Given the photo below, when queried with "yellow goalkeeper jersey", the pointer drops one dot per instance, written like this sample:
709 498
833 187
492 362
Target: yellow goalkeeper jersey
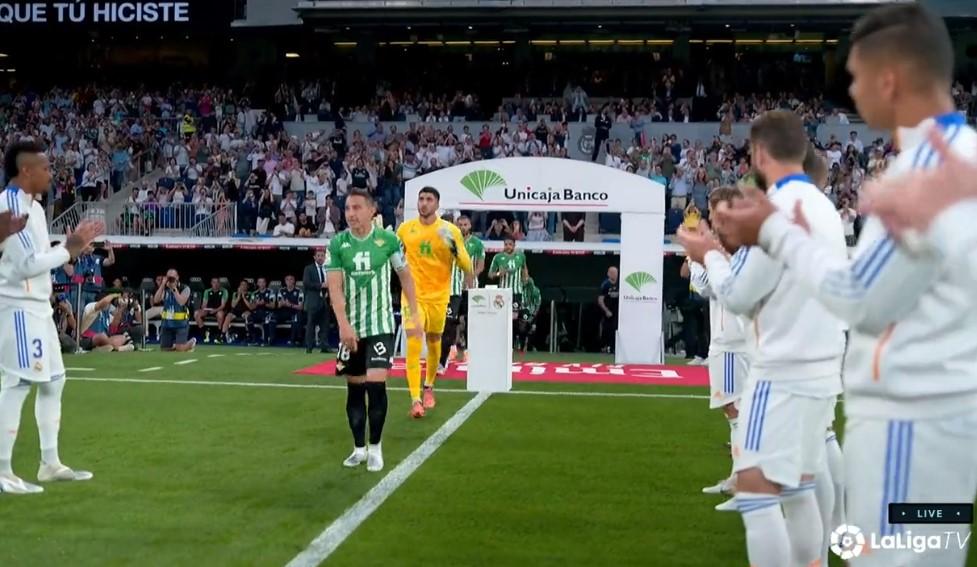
431 251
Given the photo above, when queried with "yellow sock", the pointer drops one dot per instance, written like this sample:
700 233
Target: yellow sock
433 360
414 348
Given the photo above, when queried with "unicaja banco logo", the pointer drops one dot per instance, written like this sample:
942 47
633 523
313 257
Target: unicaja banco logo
478 299
480 180
847 541
638 280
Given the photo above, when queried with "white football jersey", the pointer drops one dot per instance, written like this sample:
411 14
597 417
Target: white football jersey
796 339
913 317
28 258
725 327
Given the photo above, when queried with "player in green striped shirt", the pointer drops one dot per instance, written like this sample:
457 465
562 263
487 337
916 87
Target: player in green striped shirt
458 304
531 300
509 266
360 261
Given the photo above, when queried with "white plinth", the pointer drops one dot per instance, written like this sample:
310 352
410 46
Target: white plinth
489 340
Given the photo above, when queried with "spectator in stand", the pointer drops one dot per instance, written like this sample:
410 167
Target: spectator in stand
285 226
573 227
536 226
306 227
266 211
516 232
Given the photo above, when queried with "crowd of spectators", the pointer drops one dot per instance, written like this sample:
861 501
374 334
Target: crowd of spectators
212 149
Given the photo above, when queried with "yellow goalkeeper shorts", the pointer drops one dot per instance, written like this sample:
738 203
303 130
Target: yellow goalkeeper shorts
432 316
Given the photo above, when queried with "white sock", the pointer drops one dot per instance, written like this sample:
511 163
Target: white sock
836 464
803 523
733 424
47 411
374 448
11 403
824 491
767 543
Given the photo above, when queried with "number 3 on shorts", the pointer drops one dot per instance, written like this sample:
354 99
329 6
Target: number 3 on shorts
38 348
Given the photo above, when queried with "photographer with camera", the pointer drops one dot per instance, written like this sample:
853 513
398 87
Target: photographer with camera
174 297
101 324
87 270
64 319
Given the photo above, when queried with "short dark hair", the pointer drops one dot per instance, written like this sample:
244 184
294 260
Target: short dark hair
432 191
816 167
362 193
782 134
509 238
724 194
907 32
14 152
457 220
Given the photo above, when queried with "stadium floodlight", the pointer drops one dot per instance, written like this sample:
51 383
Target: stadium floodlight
292 55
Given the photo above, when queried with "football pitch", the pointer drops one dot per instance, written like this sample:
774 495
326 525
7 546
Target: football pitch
232 459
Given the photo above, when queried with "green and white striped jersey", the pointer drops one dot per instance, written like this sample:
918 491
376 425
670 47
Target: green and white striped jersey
366 264
531 297
511 266
476 250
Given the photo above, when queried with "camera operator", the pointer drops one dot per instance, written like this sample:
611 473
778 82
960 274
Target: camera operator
174 297
87 270
101 325
64 319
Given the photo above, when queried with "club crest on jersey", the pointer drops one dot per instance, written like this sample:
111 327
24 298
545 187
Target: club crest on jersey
378 241
345 245
38 366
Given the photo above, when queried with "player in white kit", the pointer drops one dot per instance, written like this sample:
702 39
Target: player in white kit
911 368
795 372
728 353
30 351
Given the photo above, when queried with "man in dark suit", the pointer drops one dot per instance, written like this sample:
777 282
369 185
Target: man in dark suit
316 303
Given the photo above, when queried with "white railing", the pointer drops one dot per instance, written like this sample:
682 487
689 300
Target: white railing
147 219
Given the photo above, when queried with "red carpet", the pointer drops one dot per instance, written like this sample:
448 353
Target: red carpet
579 373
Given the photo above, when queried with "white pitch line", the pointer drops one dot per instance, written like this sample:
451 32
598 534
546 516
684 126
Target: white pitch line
187 361
215 355
80 369
245 354
336 533
393 388
152 369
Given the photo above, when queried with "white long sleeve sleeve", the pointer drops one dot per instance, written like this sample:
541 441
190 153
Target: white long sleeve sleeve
954 234
743 281
876 287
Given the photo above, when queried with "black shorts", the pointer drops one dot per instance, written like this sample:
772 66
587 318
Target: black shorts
371 352
526 315
454 307
516 305
239 311
463 308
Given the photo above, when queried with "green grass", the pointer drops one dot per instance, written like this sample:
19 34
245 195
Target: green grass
217 475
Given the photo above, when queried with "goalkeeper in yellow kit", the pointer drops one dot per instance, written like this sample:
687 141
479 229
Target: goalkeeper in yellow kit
432 247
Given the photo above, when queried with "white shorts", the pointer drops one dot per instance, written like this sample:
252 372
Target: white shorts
927 461
727 377
29 347
781 433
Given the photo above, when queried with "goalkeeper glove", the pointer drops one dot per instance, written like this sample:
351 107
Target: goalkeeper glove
448 239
